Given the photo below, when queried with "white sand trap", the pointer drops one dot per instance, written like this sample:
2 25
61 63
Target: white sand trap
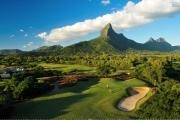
129 103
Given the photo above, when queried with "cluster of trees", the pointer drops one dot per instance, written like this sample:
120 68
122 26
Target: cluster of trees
152 71
21 86
165 104
106 70
120 61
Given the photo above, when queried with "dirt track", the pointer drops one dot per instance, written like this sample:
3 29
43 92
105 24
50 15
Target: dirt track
129 103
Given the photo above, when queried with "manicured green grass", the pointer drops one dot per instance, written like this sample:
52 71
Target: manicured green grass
88 99
69 68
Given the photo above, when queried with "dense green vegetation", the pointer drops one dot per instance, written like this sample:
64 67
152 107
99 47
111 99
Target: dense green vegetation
163 105
166 101
106 70
21 86
161 71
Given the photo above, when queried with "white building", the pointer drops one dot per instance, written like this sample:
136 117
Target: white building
5 75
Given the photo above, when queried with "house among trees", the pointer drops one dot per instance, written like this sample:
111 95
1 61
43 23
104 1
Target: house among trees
8 72
5 75
20 69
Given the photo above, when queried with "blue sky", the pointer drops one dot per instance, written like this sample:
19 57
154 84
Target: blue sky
22 20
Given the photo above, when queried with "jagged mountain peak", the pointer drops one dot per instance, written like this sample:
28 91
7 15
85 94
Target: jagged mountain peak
107 31
161 40
159 44
151 40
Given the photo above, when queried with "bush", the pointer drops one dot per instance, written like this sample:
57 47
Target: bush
164 105
106 70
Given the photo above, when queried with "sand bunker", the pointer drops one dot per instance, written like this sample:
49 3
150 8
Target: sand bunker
129 103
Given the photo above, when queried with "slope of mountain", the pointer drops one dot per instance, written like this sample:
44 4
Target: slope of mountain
94 46
46 49
10 51
177 48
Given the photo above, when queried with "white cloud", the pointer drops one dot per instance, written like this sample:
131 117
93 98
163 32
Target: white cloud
105 2
131 15
42 35
29 44
26 35
12 36
21 30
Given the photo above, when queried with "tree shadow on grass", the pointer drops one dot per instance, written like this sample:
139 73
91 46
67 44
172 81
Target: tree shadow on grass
46 109
79 87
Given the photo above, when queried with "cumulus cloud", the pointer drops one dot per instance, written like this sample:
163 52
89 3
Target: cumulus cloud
29 44
105 2
133 14
21 30
42 35
12 36
26 35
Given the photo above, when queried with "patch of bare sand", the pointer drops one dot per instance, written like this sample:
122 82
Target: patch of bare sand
129 103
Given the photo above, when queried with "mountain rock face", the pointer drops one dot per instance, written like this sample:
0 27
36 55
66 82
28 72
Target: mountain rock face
118 41
107 32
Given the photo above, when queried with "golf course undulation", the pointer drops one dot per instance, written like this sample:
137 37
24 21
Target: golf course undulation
90 99
129 103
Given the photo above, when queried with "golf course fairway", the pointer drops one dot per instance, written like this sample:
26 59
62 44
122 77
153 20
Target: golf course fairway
90 99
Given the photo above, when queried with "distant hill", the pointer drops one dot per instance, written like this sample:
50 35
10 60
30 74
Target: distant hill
46 49
158 45
176 48
10 51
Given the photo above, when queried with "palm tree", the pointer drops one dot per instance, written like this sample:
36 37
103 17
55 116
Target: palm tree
9 85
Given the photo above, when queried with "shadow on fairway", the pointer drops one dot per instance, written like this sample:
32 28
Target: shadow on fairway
80 86
46 109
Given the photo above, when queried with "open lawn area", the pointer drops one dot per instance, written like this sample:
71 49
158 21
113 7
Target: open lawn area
69 68
96 99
